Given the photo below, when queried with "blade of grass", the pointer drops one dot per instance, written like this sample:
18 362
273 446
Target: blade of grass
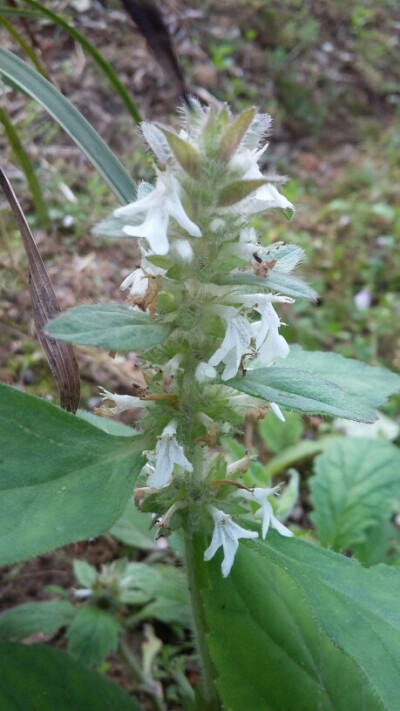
69 118
105 66
27 168
60 356
26 48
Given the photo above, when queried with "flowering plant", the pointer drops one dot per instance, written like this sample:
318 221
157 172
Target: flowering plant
204 314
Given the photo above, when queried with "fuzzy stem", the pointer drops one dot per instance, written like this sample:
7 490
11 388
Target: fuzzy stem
198 581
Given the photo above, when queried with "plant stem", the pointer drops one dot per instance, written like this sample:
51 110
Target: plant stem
148 685
197 581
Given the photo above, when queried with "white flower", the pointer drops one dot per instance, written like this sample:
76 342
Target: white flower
137 283
266 512
226 534
269 343
235 344
157 207
168 453
205 373
122 402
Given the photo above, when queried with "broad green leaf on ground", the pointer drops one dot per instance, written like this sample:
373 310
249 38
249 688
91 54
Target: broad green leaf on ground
133 528
92 635
295 627
61 479
68 117
85 573
321 383
278 435
171 603
46 617
38 678
355 485
112 326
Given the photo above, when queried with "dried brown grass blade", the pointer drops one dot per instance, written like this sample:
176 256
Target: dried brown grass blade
150 23
60 356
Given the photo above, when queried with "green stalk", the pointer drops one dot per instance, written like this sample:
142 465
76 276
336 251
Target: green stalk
197 582
27 168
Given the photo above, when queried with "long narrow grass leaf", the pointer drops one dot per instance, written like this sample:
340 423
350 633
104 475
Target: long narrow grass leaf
69 118
21 41
27 168
105 66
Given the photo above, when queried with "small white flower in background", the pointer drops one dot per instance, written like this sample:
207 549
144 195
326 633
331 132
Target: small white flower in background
226 534
362 299
235 344
266 512
277 411
168 454
158 206
121 402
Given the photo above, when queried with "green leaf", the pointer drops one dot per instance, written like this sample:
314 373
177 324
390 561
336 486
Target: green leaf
238 190
133 528
369 384
276 281
69 118
46 617
61 479
92 635
321 383
302 391
278 435
355 484
38 678
233 135
184 153
171 603
295 627
112 326
85 573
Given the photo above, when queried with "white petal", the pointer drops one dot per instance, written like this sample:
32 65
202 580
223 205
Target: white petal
277 411
122 402
226 534
154 229
273 347
205 372
136 282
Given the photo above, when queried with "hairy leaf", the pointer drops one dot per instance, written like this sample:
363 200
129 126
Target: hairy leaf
295 627
112 326
61 479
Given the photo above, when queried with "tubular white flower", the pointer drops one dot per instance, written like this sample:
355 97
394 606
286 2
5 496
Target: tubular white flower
137 283
158 206
168 454
266 512
235 344
122 402
226 534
